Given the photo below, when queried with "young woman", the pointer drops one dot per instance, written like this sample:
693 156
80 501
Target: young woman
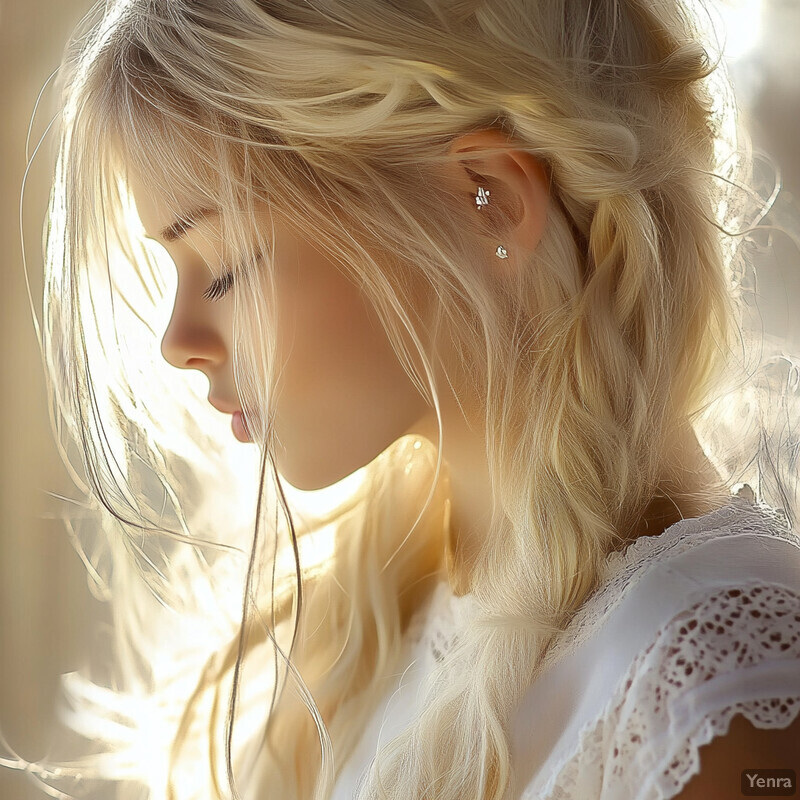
476 262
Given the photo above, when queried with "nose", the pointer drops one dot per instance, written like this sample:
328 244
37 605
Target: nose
192 343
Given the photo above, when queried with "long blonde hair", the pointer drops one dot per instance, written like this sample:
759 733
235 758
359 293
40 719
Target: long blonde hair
585 364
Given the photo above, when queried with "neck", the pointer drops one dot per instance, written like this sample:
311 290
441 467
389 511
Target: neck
697 490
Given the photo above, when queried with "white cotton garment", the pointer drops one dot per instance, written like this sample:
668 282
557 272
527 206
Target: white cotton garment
686 630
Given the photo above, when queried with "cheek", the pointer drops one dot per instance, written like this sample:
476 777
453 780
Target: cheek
342 393
342 396
330 341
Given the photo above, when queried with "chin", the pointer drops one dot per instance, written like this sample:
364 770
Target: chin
311 469
309 479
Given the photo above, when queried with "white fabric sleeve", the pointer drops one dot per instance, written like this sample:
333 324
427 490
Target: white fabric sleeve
701 633
736 651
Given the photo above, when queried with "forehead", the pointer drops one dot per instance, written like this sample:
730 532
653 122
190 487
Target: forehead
152 206
167 215
159 207
165 178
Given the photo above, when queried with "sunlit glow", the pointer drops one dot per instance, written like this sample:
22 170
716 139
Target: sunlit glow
105 28
742 26
322 501
167 397
315 550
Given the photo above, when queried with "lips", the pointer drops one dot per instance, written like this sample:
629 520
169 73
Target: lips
239 427
238 421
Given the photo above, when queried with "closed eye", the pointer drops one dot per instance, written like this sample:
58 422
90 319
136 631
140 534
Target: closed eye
219 287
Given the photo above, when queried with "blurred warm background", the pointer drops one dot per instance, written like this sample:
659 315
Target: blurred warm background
44 601
45 608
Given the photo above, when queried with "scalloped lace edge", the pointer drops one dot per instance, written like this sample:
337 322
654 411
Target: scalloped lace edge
718 725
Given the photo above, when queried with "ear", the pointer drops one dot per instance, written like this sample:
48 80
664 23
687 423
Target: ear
518 186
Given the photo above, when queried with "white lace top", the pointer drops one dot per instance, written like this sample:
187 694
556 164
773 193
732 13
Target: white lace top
688 628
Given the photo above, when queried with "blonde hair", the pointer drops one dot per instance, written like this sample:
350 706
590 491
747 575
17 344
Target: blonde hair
585 364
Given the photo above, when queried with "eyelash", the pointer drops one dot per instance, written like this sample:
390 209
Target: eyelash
222 285
219 287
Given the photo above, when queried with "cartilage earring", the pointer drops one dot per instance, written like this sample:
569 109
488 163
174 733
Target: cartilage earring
482 199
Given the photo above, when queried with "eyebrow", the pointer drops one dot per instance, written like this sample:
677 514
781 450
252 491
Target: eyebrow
185 223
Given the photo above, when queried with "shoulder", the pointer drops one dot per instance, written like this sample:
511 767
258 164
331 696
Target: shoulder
690 655
659 580
715 686
719 679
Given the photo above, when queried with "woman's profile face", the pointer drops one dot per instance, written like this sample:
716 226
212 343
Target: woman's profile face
342 395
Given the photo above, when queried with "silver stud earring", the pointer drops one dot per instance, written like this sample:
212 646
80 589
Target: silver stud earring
482 199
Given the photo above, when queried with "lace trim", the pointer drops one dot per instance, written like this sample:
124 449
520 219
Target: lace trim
728 630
